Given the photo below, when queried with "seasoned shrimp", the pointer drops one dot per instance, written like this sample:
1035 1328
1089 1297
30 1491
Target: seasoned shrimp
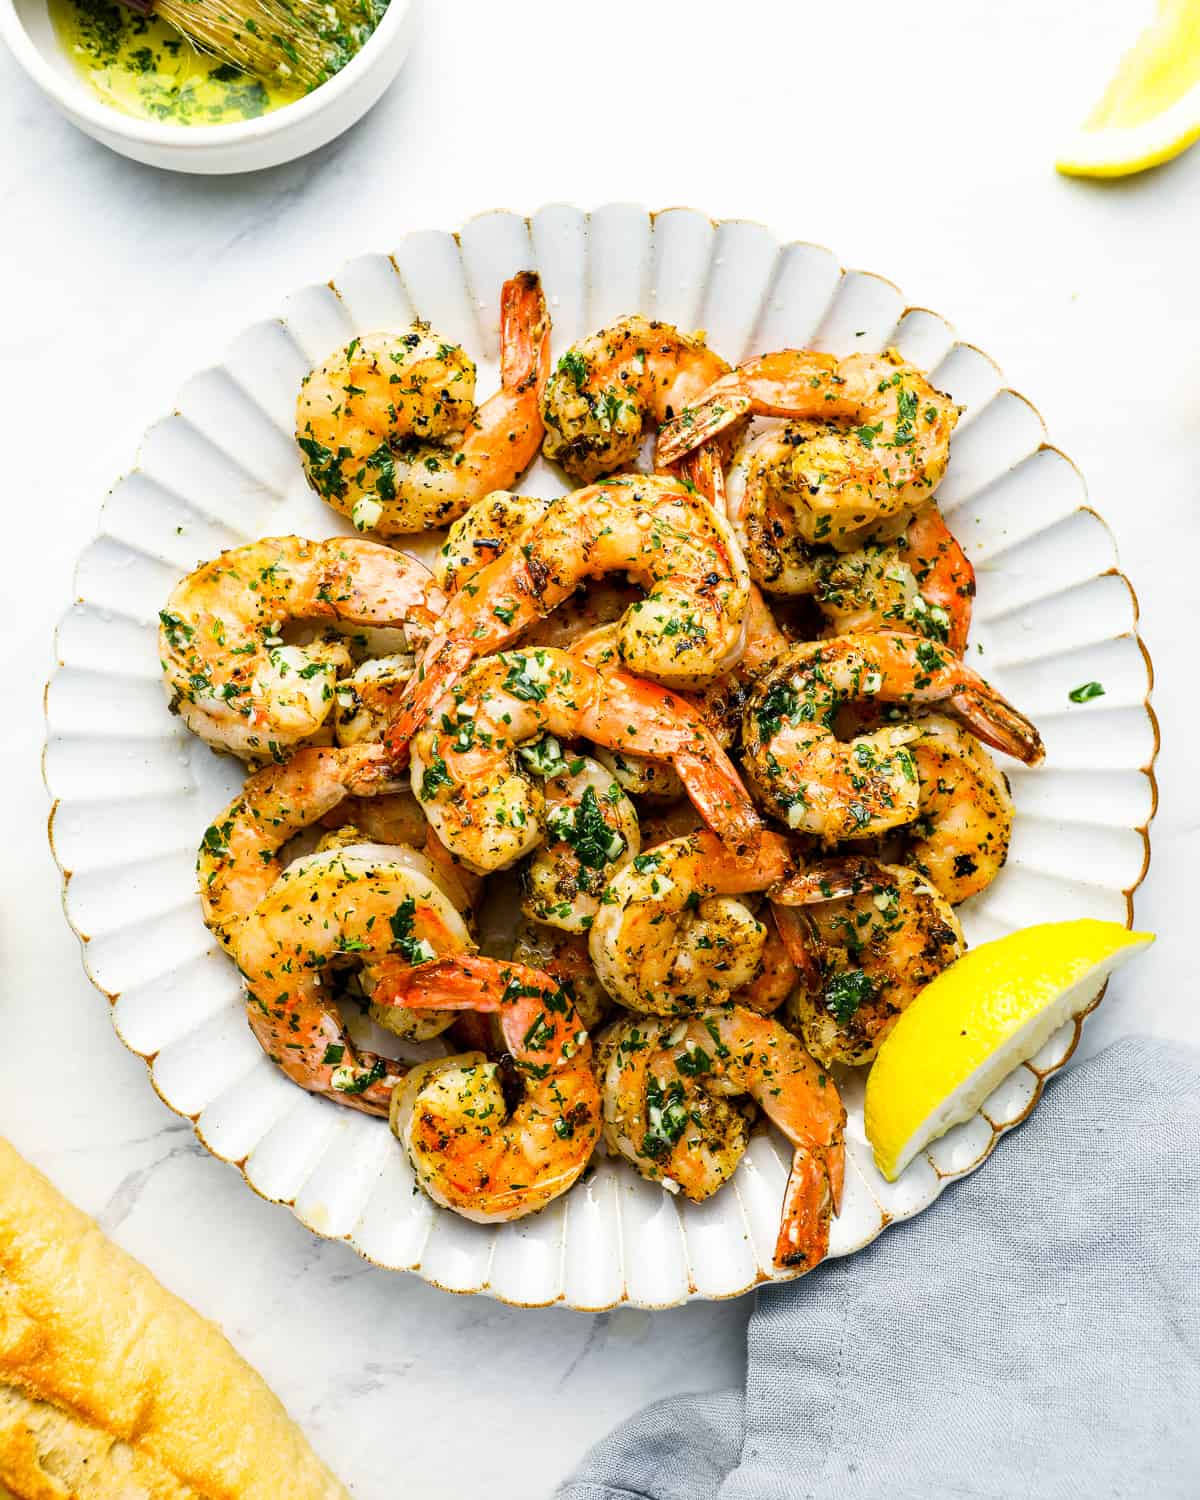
873 936
778 974
687 630
468 1152
613 386
564 956
231 677
653 781
723 702
239 860
373 904
591 832
960 839
482 533
666 1088
396 818
366 700
486 810
389 430
873 441
669 938
922 583
869 784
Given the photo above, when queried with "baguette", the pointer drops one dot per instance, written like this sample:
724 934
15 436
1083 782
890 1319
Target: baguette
113 1389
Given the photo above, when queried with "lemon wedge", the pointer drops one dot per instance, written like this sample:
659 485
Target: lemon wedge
1151 109
978 1020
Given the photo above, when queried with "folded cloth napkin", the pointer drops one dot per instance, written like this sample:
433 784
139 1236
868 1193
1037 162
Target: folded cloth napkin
1036 1333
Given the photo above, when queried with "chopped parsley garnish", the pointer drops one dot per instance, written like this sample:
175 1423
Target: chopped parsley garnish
519 683
779 703
594 842
575 366
346 1083
666 1116
1085 692
845 992
437 775
412 950
693 1062
177 630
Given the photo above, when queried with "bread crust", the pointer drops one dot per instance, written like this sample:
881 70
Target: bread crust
113 1389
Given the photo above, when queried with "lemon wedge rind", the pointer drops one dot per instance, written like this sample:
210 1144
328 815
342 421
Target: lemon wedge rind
1150 110
980 1019
1119 151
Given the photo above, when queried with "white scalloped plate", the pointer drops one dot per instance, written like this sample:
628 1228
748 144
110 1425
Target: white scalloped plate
133 792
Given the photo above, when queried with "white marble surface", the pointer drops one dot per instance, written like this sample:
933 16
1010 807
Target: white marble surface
916 141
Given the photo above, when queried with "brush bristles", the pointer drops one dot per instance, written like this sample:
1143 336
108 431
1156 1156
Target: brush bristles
298 43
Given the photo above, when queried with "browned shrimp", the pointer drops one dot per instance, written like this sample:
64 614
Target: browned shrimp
389 430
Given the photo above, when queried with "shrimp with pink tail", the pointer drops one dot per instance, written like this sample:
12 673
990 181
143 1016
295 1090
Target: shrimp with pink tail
669 937
667 1088
239 859
688 629
921 583
615 385
469 1152
855 788
490 811
367 906
871 441
235 680
389 430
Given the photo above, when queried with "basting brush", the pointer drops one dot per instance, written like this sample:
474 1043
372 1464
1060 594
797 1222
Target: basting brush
300 43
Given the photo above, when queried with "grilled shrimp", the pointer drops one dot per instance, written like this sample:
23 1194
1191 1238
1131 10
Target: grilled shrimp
239 859
389 430
688 628
852 789
396 818
666 1088
466 771
232 678
872 442
482 534
922 583
371 904
613 386
469 1153
591 832
871 936
668 937
366 700
960 839
564 956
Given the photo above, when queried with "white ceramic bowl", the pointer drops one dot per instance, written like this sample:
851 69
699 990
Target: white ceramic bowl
247 146
133 791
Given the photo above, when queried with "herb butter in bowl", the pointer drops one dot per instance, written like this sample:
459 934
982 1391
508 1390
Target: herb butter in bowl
134 82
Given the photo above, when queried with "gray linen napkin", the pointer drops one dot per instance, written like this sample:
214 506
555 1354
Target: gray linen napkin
1035 1333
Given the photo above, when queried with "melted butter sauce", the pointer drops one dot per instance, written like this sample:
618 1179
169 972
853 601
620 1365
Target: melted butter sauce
144 67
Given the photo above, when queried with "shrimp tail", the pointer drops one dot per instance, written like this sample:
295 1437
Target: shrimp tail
812 1197
524 333
716 791
794 935
700 424
464 982
998 723
445 663
827 880
701 468
786 383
